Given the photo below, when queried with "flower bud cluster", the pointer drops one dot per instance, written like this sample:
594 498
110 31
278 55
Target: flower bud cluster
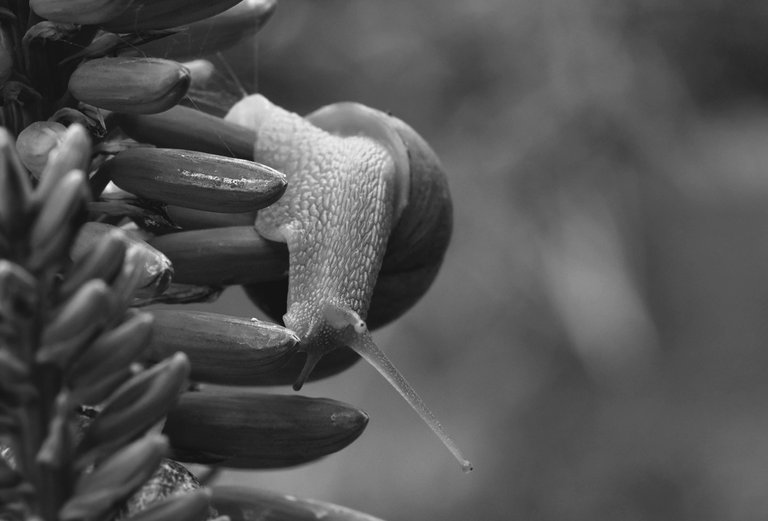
115 195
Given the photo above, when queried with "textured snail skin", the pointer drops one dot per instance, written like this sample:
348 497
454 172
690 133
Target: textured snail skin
344 195
335 218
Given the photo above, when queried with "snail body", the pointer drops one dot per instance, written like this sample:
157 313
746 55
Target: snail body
366 203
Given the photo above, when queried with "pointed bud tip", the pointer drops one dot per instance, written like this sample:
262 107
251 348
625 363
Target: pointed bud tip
350 419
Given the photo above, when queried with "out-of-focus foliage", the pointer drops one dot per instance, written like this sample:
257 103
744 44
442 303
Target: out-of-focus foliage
597 339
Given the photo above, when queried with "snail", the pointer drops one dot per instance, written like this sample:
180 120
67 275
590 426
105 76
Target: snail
367 206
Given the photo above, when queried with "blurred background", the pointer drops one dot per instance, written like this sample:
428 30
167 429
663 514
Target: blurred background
597 339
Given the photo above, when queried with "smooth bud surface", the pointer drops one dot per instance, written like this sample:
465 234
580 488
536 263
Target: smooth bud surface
196 179
191 219
223 256
128 84
222 349
335 362
245 429
189 129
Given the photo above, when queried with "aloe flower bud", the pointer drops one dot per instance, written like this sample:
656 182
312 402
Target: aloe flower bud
126 84
223 256
196 179
222 349
244 429
187 128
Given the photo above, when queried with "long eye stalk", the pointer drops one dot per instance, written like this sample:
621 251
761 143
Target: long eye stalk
364 346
